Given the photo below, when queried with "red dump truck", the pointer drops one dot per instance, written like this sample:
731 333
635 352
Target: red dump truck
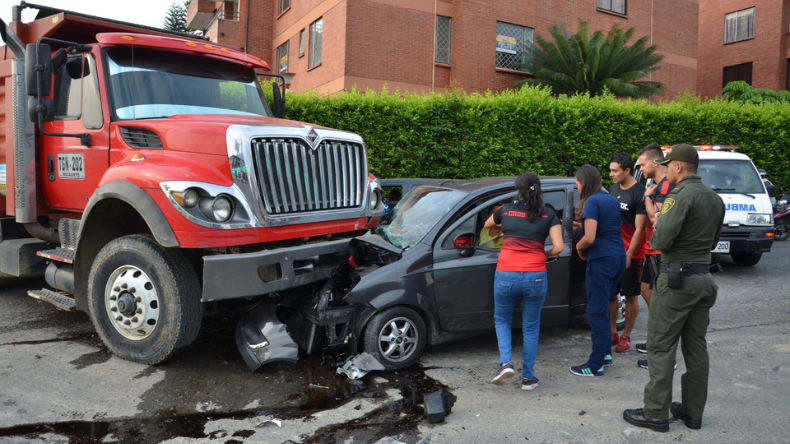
145 174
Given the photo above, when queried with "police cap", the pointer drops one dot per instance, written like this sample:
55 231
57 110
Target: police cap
682 152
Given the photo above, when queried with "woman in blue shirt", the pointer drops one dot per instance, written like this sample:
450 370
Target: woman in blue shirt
598 212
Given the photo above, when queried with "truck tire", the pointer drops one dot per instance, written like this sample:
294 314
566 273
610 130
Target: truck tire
395 337
746 259
144 299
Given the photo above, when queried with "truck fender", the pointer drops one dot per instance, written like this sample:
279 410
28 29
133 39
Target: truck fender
141 202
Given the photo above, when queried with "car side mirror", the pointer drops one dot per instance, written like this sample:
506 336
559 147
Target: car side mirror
465 244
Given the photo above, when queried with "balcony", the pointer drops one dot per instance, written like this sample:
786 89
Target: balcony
202 15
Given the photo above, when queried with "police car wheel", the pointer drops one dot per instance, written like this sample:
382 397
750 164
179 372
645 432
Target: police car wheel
746 259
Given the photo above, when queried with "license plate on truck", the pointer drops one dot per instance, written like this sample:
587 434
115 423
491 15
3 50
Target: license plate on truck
71 166
722 247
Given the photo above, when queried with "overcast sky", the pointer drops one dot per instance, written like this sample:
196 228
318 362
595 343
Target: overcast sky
142 12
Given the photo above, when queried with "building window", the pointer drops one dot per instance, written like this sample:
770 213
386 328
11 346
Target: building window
284 5
316 32
282 58
442 40
738 72
739 25
617 6
511 44
301 42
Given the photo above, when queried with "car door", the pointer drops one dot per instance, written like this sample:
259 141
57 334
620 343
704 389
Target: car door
464 286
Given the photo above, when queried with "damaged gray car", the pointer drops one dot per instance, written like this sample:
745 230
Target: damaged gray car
424 276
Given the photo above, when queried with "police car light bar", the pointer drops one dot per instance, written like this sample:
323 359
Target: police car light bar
709 147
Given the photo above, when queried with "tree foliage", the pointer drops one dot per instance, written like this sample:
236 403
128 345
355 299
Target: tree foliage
176 17
740 91
592 63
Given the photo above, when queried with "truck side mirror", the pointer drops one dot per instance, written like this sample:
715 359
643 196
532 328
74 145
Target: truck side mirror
38 62
279 101
43 104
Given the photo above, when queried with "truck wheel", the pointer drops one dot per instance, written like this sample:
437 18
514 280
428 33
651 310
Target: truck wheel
144 299
395 337
746 259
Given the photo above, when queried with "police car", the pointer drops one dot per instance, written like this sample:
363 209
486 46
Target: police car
748 229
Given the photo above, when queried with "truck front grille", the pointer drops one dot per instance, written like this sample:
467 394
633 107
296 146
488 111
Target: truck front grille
295 178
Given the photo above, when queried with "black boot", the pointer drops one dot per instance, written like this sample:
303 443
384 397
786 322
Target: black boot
640 419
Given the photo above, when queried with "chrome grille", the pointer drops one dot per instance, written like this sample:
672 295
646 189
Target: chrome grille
293 178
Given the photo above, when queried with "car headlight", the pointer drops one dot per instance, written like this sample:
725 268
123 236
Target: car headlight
758 218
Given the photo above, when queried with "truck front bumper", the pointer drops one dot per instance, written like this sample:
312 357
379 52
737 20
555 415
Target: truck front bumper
748 239
230 276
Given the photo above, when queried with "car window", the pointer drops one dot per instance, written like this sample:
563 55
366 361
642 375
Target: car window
492 238
730 176
417 213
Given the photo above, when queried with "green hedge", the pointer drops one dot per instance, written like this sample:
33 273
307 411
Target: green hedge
455 135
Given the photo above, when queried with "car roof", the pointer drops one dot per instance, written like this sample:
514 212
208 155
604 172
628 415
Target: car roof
493 183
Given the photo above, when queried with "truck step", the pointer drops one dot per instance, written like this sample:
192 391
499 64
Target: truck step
61 300
59 254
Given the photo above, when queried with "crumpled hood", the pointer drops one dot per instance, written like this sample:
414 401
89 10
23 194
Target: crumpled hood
203 134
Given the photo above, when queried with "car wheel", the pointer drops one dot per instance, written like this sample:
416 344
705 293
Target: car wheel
620 311
782 229
144 299
396 337
746 259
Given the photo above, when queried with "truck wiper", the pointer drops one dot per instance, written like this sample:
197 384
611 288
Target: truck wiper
719 190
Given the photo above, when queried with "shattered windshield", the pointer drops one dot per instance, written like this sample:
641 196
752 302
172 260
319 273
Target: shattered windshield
416 214
149 84
730 176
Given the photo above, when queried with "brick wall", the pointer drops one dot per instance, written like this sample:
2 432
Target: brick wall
767 50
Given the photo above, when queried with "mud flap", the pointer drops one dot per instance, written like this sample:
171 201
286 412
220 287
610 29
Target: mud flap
262 338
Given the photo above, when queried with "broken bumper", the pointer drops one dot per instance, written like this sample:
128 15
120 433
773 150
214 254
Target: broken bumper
262 338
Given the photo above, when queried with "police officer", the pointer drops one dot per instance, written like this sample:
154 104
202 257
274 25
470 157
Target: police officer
688 228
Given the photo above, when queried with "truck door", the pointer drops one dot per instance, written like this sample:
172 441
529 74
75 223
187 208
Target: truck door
70 171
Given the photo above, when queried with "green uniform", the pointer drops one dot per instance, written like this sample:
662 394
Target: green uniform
688 228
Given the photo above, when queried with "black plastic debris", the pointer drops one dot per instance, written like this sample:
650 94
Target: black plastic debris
438 405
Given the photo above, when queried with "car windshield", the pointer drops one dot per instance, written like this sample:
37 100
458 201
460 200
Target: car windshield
414 216
148 84
731 176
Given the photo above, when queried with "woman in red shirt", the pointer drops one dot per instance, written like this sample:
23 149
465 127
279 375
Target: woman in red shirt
521 273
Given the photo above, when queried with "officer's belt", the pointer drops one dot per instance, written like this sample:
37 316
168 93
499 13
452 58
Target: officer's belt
689 268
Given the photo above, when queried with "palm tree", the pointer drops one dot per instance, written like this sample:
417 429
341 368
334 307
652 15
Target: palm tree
591 63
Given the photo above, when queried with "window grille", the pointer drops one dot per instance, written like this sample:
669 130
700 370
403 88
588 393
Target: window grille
442 39
511 44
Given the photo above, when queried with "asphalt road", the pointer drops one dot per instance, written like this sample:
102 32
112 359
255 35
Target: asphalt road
58 384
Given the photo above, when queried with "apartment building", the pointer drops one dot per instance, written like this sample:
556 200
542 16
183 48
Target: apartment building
743 40
428 45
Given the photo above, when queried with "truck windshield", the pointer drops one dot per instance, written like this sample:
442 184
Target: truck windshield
731 176
146 84
416 214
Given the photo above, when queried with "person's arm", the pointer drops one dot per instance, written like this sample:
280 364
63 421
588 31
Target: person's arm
669 226
590 226
490 223
650 206
636 239
557 245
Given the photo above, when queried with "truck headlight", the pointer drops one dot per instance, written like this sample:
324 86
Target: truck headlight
758 218
190 198
374 199
221 209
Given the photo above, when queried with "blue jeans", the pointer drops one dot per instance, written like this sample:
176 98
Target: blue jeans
530 288
603 281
